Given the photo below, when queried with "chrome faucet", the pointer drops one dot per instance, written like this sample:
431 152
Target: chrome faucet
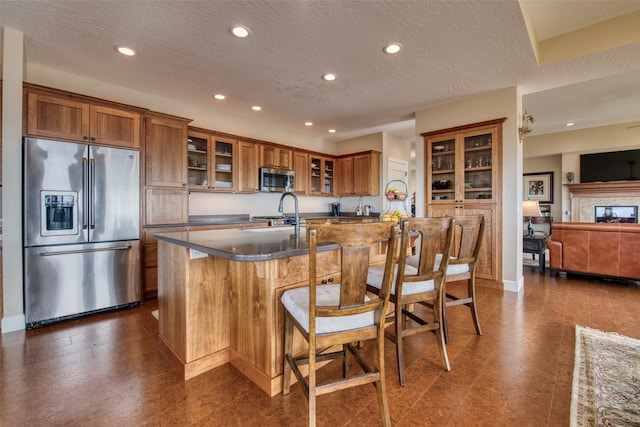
295 198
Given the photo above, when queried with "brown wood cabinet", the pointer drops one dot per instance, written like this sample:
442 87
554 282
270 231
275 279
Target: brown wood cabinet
166 196
166 206
68 117
272 156
165 156
301 169
212 162
487 265
249 156
359 174
323 176
464 177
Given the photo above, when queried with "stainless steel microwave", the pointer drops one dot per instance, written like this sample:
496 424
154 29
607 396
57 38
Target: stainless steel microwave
276 179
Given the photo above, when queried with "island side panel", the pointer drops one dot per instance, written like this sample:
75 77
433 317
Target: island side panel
193 308
208 298
173 263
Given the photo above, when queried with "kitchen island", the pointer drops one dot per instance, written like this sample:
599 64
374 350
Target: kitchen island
219 293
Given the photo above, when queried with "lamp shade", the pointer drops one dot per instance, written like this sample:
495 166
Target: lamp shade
531 208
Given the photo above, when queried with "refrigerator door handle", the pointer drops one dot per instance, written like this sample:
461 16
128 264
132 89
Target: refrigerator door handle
81 251
85 180
92 177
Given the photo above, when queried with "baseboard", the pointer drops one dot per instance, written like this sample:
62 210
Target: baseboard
513 286
13 323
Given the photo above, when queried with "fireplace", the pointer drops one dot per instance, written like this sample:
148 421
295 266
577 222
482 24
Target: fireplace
616 214
585 197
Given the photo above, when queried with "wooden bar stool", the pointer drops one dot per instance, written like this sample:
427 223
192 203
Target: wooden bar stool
468 233
422 284
340 314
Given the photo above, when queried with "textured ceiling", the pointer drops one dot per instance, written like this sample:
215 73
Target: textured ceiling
452 49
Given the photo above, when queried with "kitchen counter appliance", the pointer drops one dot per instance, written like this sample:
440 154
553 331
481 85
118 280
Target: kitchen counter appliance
277 180
81 229
277 221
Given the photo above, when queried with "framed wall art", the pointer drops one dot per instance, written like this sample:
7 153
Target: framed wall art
538 186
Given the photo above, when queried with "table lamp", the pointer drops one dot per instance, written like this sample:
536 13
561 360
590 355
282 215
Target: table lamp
530 208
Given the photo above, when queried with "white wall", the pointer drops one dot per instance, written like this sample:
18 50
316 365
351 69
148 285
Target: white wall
12 72
488 106
552 163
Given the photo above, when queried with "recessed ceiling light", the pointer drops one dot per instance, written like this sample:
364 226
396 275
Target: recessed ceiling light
240 31
332 131
308 123
569 124
127 51
392 48
256 108
329 77
219 96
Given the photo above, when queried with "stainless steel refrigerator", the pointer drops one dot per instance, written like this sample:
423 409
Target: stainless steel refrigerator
81 229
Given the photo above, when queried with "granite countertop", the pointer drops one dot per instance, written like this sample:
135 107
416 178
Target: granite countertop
203 220
209 220
252 244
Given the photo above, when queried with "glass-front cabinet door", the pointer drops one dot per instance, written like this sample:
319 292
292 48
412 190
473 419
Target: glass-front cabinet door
443 168
211 162
225 164
478 166
198 161
461 166
322 181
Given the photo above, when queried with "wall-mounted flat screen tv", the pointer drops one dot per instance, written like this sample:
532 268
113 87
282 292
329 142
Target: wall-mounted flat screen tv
616 214
612 166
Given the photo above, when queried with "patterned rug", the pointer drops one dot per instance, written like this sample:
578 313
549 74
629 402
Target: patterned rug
606 380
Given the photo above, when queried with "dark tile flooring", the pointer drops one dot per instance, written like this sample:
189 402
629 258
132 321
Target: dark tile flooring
106 370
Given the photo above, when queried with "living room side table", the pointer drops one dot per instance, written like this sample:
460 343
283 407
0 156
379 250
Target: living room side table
536 244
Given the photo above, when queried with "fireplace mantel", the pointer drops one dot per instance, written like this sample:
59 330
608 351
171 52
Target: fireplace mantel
585 196
594 188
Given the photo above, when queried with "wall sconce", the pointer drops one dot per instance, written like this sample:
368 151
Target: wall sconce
524 129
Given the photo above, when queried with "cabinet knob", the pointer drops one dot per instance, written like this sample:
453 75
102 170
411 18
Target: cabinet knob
93 139
324 281
330 279
85 138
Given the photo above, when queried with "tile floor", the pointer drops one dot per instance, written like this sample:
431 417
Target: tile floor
105 370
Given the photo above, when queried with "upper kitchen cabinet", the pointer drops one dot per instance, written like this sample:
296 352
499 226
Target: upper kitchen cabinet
301 169
212 162
323 176
166 196
464 177
359 174
248 167
165 156
272 156
72 117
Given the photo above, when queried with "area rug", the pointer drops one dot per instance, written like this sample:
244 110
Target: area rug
606 383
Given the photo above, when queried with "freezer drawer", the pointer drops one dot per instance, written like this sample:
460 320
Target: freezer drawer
69 280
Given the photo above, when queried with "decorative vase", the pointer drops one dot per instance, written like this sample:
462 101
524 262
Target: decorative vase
571 176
